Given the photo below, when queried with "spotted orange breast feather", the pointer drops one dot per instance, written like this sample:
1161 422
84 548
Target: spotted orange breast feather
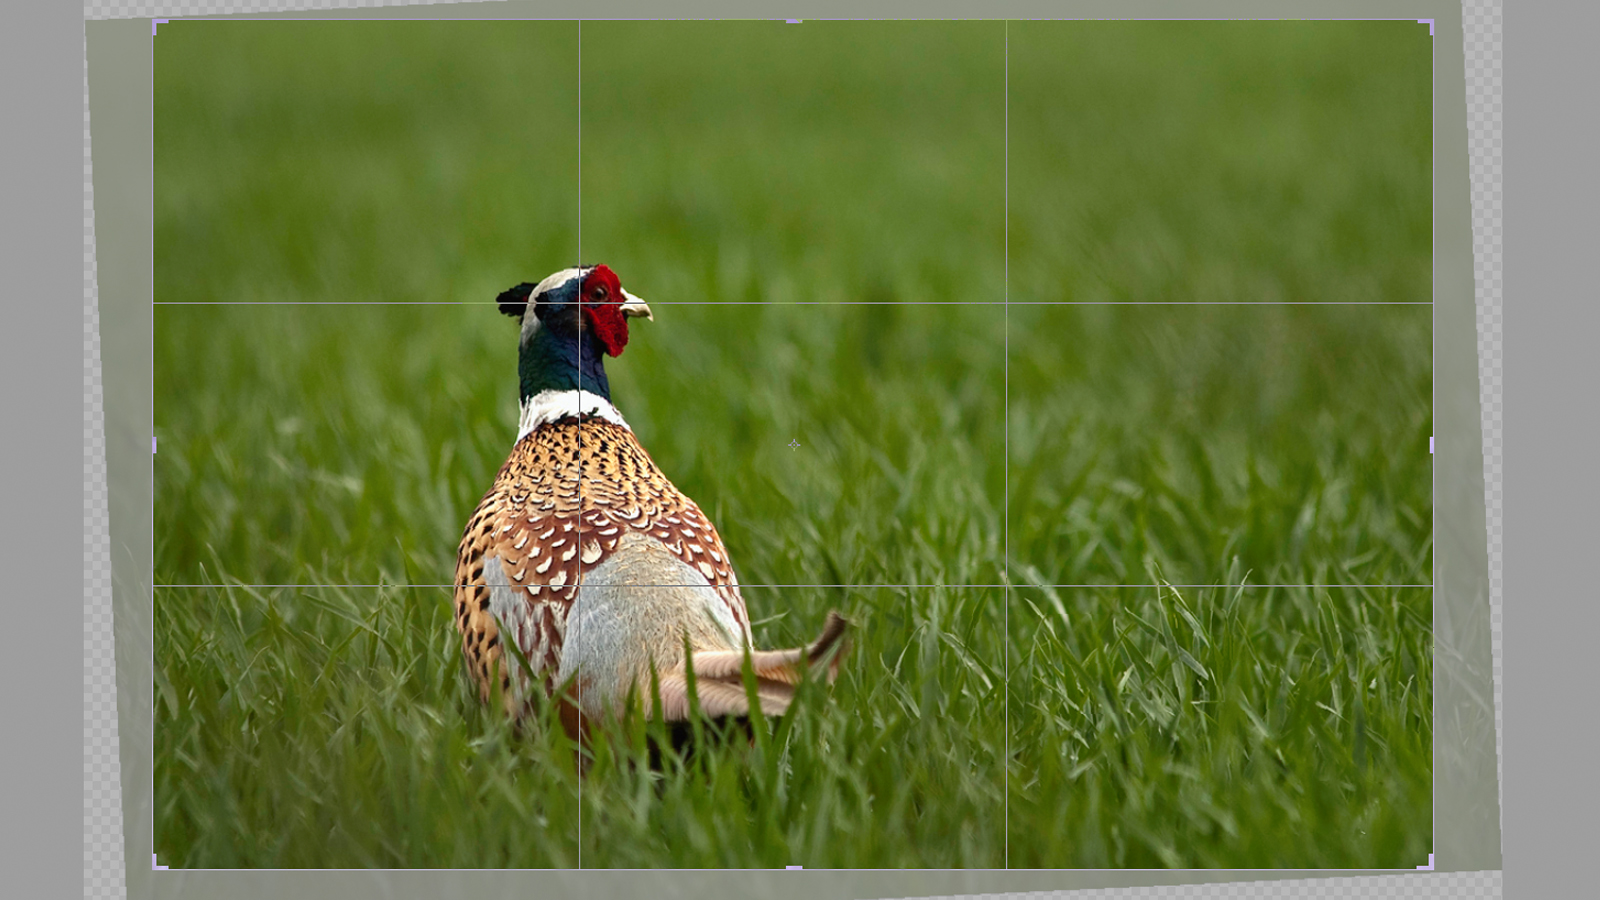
568 493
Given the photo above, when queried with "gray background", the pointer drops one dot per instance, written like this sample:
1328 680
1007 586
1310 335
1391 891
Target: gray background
103 853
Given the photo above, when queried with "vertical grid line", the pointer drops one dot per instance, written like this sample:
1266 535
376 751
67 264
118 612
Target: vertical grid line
580 437
153 345
1005 485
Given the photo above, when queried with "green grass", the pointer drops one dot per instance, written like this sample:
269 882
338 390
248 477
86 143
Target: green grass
743 178
1221 727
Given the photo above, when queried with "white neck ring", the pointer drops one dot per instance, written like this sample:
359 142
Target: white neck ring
548 406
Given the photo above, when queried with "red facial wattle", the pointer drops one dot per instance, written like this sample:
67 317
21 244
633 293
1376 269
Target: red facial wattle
601 301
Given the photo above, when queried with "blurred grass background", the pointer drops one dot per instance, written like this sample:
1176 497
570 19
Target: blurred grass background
370 187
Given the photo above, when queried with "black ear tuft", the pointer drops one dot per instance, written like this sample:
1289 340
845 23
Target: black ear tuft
515 301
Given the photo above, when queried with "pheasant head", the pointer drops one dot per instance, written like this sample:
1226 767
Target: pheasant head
570 322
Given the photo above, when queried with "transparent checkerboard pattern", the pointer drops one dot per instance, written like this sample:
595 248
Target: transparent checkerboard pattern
103 843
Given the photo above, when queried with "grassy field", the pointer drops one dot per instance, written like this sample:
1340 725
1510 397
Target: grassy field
1140 571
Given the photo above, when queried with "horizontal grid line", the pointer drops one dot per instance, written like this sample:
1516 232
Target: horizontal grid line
851 586
823 303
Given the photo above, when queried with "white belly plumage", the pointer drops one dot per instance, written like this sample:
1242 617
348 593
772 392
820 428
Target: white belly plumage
636 607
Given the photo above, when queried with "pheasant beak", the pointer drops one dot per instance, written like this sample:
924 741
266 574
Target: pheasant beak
633 306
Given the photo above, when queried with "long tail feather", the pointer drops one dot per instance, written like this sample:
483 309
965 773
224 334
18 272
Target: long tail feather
719 680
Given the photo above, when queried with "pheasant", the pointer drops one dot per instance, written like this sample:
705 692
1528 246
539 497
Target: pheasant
585 556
